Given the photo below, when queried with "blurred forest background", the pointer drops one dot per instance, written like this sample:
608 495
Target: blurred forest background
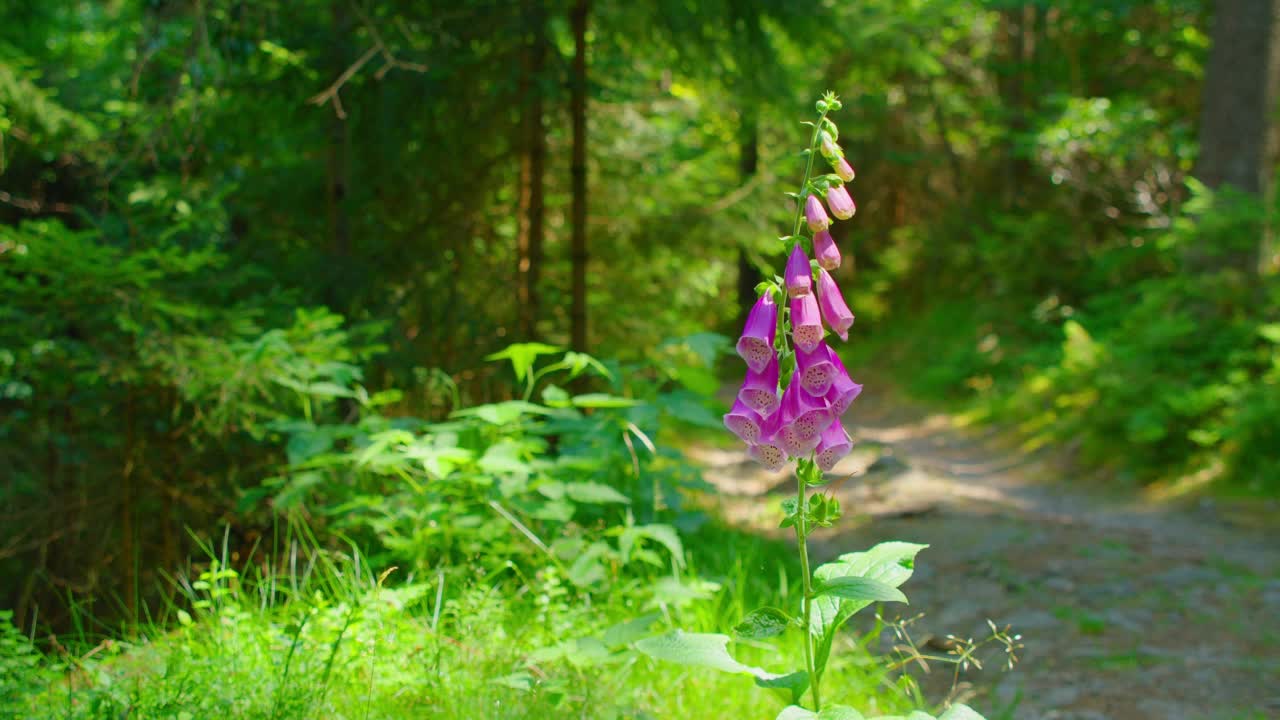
243 242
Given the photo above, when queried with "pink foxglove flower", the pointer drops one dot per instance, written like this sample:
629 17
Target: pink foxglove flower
840 203
769 451
844 170
834 310
825 251
798 275
756 344
843 389
744 422
815 215
805 414
833 445
815 369
760 390
770 455
806 322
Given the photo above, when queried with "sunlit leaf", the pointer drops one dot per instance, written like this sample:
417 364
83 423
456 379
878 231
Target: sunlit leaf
698 649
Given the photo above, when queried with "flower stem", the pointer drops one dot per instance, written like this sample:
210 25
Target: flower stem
808 169
802 534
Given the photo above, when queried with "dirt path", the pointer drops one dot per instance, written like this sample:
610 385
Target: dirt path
1128 609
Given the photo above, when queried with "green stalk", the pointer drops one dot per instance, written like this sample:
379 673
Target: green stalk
802 500
802 534
808 168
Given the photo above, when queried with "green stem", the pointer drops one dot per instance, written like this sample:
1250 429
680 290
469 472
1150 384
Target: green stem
802 533
808 168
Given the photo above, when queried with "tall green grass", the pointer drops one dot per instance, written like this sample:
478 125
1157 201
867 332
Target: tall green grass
307 632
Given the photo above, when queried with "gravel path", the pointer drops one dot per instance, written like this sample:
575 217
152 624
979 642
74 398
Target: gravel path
1129 608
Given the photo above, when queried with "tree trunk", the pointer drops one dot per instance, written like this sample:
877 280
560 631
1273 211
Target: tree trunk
578 111
748 161
1239 94
529 238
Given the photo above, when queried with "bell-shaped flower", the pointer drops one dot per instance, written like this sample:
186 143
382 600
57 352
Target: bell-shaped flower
815 369
756 344
803 413
840 203
834 310
760 390
843 169
843 389
833 444
770 455
744 422
798 275
825 250
806 322
815 215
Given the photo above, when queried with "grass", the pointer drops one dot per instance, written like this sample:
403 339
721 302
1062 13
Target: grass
331 641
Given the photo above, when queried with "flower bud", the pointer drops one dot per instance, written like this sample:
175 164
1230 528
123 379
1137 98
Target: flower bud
840 203
830 150
843 169
815 215
825 250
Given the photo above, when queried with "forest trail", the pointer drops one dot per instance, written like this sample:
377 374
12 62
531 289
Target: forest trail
1128 608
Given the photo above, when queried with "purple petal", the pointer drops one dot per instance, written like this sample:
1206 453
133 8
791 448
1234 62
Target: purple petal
798 276
756 344
815 215
760 390
834 310
815 369
806 322
743 422
833 445
825 250
840 203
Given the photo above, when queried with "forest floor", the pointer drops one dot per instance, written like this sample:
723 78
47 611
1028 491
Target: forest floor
1129 607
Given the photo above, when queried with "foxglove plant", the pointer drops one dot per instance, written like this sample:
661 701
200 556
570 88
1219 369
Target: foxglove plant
788 410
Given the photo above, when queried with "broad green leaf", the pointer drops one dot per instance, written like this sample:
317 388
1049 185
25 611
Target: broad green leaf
765 622
960 712
670 591
602 400
1270 332
578 362
517 681
839 712
795 712
699 649
629 631
595 493
890 563
860 588
503 413
328 389
504 457
664 535
791 686
522 356
689 408
555 396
